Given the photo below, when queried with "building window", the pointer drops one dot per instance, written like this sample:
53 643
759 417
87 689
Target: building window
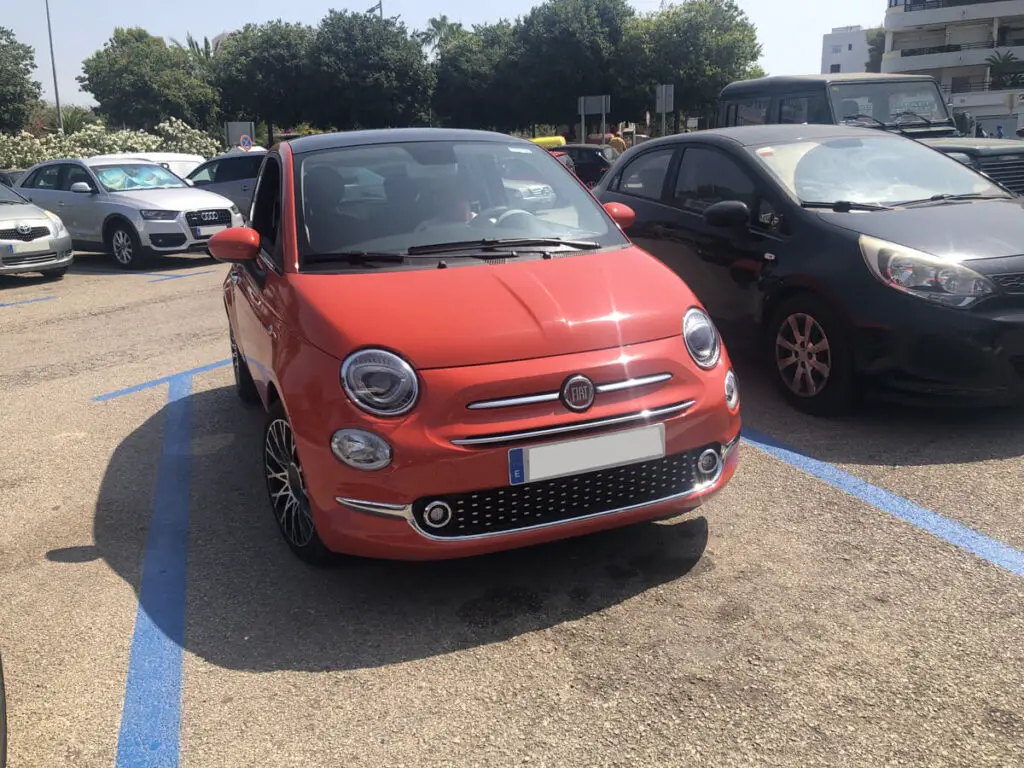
833 69
849 46
837 49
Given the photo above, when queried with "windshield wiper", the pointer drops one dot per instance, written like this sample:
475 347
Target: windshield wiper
843 206
906 112
945 196
853 118
503 244
359 257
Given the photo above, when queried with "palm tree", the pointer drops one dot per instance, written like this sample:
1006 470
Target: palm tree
439 32
1004 71
201 56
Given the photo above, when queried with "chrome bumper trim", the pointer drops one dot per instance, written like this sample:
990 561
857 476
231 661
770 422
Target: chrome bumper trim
394 511
550 397
509 437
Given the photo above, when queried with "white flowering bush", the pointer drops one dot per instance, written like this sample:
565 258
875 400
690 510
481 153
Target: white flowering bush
23 149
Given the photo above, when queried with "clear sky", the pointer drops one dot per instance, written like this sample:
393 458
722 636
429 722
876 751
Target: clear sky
790 32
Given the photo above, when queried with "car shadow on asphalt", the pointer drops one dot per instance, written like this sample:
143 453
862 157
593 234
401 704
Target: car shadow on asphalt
102 264
253 606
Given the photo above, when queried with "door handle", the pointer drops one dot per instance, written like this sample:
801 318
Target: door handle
60 203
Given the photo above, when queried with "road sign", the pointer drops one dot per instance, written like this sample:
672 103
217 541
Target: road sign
245 142
593 105
664 98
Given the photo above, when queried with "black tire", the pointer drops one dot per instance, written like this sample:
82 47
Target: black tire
821 379
55 274
245 387
3 718
289 504
125 248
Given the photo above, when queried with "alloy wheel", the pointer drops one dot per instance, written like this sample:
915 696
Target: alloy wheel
802 355
286 484
121 243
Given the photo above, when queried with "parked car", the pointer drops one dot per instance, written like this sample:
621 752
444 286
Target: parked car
132 210
591 161
447 374
564 159
10 176
31 239
178 163
232 175
858 257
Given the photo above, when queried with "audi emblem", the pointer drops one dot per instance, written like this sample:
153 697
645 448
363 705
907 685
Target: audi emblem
24 229
577 393
209 216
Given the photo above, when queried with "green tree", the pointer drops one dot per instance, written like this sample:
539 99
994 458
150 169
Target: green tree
368 72
139 81
261 71
200 55
440 32
19 92
876 47
1004 70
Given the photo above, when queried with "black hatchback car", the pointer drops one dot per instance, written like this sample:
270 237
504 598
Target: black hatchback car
852 257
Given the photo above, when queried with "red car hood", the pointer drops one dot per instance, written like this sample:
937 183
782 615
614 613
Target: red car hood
490 313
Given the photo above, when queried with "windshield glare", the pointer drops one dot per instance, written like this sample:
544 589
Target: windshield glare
132 176
889 102
882 169
391 197
8 195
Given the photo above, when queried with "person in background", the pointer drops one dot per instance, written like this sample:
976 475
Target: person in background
616 142
999 132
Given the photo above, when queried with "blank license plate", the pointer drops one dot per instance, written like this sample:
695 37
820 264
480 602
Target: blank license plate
36 246
209 231
586 454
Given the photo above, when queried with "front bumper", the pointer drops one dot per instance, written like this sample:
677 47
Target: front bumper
179 236
17 257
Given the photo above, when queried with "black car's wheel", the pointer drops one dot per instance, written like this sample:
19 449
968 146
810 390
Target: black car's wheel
810 353
125 248
286 487
245 387
3 718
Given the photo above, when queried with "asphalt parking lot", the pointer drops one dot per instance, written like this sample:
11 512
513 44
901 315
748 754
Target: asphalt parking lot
854 597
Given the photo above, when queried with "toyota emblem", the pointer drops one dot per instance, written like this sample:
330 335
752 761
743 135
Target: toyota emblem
577 393
24 229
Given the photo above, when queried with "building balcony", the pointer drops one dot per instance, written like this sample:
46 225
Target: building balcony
907 14
945 56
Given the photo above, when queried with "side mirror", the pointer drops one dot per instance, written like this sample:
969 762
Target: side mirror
728 214
81 187
621 214
236 245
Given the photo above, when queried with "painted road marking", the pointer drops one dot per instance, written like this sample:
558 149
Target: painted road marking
162 380
950 531
151 717
179 277
27 301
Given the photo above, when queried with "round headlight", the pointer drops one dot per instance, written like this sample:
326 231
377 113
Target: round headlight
380 382
701 338
732 390
361 449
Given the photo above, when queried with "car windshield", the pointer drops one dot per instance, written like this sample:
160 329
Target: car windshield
124 177
906 103
8 195
883 169
392 197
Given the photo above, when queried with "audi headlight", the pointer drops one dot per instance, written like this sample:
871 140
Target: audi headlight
234 209
701 338
924 275
158 215
58 223
380 382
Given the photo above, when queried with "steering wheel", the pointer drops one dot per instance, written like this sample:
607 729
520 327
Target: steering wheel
503 212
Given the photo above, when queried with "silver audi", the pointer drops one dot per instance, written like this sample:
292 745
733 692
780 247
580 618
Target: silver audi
134 210
31 239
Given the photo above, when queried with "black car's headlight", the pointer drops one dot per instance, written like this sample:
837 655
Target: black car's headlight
942 281
701 338
380 382
158 215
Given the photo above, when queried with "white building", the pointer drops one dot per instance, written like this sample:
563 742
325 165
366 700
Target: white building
845 49
956 41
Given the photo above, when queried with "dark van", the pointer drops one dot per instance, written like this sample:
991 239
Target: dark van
912 105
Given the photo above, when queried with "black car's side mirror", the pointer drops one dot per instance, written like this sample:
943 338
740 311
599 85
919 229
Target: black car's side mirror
728 214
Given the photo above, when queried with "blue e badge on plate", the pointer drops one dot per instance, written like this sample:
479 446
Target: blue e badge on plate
516 467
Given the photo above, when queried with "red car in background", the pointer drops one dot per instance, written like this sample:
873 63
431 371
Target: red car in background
454 360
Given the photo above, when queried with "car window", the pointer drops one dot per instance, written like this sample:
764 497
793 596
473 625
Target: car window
439 192
645 175
125 177
239 168
75 173
45 178
266 208
881 168
810 108
749 111
9 195
205 173
707 176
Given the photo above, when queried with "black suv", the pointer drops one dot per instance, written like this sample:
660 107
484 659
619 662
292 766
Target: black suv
912 105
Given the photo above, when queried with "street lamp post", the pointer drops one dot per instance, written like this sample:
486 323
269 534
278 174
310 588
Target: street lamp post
53 65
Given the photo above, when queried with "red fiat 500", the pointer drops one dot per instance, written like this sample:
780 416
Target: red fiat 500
455 360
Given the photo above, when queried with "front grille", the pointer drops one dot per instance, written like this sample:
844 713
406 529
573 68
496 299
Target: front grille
499 510
27 261
1010 283
208 218
32 234
1008 170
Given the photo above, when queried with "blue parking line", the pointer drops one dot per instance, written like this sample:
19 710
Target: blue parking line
179 277
950 531
151 716
27 301
162 380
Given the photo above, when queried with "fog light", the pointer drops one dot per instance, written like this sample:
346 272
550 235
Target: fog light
437 514
708 463
732 390
360 449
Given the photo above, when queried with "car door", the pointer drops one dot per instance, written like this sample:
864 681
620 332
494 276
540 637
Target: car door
205 175
80 211
722 266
